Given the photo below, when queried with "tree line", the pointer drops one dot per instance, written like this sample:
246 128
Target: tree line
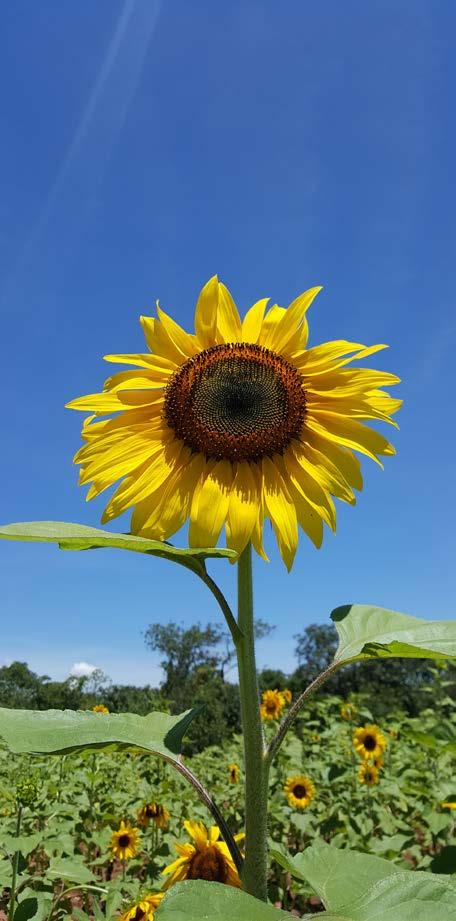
197 663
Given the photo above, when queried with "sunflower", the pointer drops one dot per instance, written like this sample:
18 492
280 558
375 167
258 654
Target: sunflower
125 842
100 708
368 774
143 910
272 704
234 773
208 858
348 712
369 742
153 812
234 424
287 695
299 791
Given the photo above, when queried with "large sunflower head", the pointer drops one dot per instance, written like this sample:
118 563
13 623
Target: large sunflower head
299 791
369 742
144 910
272 704
153 812
206 858
233 424
125 842
368 774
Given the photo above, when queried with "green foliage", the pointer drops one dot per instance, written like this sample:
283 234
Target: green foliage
192 901
59 732
81 537
368 632
362 887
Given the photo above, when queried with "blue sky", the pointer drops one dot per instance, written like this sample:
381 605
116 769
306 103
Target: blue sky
149 145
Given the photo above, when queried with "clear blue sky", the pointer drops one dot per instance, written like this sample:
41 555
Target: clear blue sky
148 145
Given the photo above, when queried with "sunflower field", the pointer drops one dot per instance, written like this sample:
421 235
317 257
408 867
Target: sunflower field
99 834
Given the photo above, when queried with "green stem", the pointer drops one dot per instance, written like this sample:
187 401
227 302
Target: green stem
254 875
15 867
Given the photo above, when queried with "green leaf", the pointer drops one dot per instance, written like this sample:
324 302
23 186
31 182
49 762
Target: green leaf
57 732
365 888
73 871
367 632
80 537
25 844
195 900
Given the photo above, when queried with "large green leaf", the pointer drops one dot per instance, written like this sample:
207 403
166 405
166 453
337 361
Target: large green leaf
80 537
365 888
367 632
196 900
60 731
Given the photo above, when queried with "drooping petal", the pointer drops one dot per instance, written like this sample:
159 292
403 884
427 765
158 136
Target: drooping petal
210 505
167 509
243 508
280 510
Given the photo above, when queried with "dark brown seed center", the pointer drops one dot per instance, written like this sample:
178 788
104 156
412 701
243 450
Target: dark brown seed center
300 791
124 840
369 743
236 402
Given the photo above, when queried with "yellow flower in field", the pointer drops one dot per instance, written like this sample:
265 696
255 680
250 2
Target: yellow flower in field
287 695
234 772
272 704
143 910
368 774
348 712
208 858
378 763
299 791
369 742
100 708
448 805
125 842
153 812
234 424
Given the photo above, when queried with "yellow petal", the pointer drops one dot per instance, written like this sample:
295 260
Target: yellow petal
228 319
210 504
312 491
281 334
166 510
152 474
323 471
251 324
206 313
140 360
306 368
97 402
198 832
243 508
343 459
184 342
308 518
351 434
138 380
280 510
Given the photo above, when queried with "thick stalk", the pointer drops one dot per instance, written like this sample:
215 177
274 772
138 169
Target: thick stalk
254 875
